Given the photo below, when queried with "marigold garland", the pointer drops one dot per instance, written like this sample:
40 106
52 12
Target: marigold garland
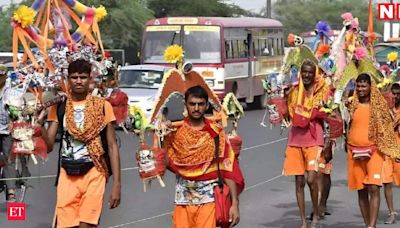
173 54
24 15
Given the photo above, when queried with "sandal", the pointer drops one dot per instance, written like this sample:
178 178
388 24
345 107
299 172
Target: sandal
391 218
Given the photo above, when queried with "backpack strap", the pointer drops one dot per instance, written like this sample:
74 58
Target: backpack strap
103 135
60 129
220 179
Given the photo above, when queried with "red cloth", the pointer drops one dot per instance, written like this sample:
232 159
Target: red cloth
40 146
119 101
281 107
234 175
158 159
236 143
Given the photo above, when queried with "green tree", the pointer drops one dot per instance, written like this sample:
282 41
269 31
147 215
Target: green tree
6 32
303 15
164 8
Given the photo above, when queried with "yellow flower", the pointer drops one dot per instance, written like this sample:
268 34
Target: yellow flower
173 53
385 82
24 15
133 110
101 13
392 56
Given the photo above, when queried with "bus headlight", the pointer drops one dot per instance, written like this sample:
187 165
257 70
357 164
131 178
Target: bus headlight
187 67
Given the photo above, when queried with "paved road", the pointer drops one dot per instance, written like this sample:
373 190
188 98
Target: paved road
268 201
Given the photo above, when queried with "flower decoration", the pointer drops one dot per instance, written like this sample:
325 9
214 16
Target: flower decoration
384 83
322 27
360 53
101 13
173 54
24 15
392 56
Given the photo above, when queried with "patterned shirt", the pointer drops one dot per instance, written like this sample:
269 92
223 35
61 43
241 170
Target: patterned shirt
74 149
194 192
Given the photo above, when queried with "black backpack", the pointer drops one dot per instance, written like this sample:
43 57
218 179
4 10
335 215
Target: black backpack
60 130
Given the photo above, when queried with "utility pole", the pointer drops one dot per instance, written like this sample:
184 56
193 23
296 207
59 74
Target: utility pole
268 9
391 26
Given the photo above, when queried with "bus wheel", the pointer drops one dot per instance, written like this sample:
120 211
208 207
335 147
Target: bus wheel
260 101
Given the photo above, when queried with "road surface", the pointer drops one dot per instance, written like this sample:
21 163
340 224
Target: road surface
268 201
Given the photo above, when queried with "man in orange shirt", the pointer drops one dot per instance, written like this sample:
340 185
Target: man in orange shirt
87 126
306 139
391 169
191 152
368 141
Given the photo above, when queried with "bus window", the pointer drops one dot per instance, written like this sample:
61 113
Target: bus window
229 49
278 46
271 46
235 48
264 49
256 48
202 44
242 49
158 38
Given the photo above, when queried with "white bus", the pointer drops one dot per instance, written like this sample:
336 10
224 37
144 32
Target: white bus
232 54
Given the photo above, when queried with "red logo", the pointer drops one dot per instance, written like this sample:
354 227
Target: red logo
16 211
388 11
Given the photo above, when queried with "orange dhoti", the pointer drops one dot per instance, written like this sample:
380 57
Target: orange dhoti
194 216
365 172
301 159
391 171
79 198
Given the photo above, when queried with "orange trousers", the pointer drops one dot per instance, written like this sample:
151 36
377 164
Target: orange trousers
194 216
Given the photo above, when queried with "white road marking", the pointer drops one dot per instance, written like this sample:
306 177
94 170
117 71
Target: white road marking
134 168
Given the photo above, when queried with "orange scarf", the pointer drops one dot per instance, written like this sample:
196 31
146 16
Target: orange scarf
90 134
303 103
191 152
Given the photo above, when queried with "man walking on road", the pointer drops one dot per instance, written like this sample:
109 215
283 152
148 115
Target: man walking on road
191 151
306 138
370 138
391 169
88 137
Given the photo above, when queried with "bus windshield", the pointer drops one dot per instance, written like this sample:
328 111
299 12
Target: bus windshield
202 44
157 39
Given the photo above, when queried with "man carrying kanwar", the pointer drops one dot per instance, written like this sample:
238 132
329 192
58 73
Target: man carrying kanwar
370 138
191 154
198 150
88 151
306 137
391 169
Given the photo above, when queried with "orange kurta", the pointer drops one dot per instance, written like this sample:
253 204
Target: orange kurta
363 172
358 134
